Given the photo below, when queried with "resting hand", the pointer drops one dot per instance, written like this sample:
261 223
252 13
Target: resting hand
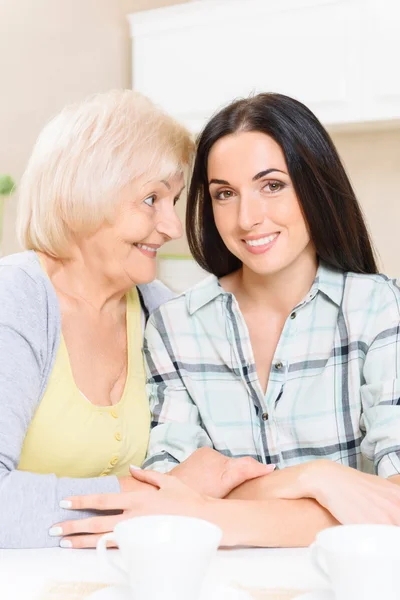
213 474
349 495
355 497
165 494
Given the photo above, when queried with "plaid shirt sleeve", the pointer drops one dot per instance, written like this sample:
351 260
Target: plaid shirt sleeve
380 394
176 426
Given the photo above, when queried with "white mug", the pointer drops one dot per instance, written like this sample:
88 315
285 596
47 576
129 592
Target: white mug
360 561
163 557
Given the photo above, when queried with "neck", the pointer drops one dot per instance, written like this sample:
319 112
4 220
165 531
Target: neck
280 291
81 278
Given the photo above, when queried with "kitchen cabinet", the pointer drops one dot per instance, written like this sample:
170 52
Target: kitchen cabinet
380 60
339 57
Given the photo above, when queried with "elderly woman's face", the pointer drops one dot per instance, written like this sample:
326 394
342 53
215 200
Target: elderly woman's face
145 220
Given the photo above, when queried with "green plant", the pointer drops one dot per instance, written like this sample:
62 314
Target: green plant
7 187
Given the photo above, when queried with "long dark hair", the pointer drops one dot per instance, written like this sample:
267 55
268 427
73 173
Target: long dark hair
334 217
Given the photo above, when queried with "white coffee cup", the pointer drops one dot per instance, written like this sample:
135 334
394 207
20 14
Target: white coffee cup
360 561
162 557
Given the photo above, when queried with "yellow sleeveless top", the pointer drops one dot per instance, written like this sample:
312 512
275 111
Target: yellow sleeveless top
71 437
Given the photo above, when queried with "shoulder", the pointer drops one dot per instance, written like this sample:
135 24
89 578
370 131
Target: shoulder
20 275
198 300
373 286
170 310
26 293
377 295
155 294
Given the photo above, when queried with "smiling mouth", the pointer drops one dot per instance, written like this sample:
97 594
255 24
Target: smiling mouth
148 248
150 251
262 241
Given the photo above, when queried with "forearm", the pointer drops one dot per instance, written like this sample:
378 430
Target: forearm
395 479
290 484
192 472
30 505
280 521
269 523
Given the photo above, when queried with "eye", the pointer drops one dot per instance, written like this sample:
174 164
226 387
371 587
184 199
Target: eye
224 195
150 200
274 186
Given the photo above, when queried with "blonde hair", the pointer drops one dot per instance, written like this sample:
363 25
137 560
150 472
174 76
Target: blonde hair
83 159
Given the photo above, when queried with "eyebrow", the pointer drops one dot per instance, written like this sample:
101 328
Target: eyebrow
255 178
267 172
167 185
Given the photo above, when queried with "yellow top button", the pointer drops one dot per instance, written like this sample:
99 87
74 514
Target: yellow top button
114 414
114 460
118 436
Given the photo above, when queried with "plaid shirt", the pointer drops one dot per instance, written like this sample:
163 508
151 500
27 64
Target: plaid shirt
333 390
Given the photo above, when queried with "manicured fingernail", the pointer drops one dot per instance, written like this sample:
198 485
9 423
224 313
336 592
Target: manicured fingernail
135 468
271 467
65 544
55 531
65 504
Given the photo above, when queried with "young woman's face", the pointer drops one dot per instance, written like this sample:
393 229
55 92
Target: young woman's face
255 207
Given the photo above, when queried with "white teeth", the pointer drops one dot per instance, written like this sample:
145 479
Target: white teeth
262 241
146 248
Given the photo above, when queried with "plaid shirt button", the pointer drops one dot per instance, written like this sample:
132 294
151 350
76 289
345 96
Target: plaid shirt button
278 365
265 416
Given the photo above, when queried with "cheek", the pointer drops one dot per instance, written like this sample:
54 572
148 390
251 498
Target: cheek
290 215
225 219
137 227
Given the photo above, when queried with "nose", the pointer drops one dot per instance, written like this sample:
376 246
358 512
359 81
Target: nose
251 212
169 224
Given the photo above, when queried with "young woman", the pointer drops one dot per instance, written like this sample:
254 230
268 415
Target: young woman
289 353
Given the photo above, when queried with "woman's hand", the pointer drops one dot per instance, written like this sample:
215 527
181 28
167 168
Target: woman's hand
206 473
352 496
349 495
165 494
213 474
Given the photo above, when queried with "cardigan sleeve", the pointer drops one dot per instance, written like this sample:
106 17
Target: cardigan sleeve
29 502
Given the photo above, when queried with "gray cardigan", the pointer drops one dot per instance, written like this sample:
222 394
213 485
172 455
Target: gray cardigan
30 326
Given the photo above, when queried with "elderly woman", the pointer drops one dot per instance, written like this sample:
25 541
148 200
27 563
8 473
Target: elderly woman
96 203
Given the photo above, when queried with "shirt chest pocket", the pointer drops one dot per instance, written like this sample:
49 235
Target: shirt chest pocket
321 409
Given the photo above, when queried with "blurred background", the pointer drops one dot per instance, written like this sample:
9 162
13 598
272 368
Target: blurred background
340 57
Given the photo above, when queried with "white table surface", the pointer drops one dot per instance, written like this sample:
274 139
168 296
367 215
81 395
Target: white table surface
25 573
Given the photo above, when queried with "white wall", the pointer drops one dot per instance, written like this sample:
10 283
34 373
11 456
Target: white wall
373 163
53 52
57 51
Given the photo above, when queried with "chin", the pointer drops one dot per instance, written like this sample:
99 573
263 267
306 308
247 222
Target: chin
266 268
142 277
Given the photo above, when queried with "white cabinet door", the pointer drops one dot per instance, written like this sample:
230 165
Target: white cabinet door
196 57
381 59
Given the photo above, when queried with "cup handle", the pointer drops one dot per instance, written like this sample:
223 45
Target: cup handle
101 549
318 561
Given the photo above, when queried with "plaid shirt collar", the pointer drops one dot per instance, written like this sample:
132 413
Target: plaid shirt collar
328 281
